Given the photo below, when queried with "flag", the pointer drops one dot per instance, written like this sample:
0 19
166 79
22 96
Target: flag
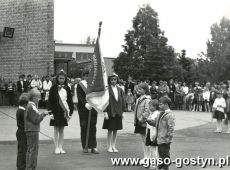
97 94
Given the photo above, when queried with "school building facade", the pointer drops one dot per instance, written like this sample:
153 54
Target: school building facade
31 48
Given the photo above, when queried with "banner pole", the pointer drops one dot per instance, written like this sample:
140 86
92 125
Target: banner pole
89 118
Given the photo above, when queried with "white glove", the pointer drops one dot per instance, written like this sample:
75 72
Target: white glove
87 106
52 117
106 116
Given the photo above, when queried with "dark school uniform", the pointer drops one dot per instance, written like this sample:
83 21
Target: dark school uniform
21 138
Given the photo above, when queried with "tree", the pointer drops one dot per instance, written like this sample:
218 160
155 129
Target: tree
146 54
218 50
187 65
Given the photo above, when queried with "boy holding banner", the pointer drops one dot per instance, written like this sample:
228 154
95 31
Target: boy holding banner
83 110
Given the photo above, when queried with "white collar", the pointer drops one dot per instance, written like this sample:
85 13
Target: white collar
114 86
21 107
84 83
143 96
30 102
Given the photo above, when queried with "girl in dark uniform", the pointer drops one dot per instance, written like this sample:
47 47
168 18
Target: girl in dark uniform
114 112
61 106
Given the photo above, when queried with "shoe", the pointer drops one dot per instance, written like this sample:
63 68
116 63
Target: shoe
62 151
85 150
115 150
228 131
57 151
218 131
95 151
110 150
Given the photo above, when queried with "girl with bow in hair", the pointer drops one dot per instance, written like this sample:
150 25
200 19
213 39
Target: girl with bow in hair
114 113
61 108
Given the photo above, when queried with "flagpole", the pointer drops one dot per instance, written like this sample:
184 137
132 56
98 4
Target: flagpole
89 118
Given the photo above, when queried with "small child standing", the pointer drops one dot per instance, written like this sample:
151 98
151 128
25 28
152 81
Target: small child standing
151 133
129 100
165 124
20 134
218 108
190 98
32 121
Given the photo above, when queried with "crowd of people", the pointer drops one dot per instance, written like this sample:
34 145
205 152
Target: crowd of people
193 96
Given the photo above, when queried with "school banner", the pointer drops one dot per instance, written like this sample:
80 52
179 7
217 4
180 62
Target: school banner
97 94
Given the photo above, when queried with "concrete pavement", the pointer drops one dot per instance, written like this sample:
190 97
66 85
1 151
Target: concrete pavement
193 137
8 124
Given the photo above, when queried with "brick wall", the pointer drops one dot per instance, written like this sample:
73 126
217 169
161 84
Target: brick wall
31 50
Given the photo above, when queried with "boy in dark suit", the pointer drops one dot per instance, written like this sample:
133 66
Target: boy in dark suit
83 111
20 134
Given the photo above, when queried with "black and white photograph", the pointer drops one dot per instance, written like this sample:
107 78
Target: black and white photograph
114 84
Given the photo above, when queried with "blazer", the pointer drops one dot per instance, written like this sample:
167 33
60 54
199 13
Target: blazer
19 86
165 124
116 107
54 105
141 110
81 95
172 88
32 118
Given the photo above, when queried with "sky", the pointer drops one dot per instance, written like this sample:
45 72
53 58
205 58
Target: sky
186 23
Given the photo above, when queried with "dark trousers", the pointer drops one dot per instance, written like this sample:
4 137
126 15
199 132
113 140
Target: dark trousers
11 98
32 150
83 117
164 152
22 148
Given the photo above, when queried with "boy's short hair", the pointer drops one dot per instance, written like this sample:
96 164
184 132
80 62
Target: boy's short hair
165 100
154 102
32 93
23 99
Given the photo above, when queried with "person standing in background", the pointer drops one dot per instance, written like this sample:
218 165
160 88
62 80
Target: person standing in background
28 82
47 84
21 86
74 91
36 83
129 85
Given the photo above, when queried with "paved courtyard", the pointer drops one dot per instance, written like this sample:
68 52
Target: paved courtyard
194 137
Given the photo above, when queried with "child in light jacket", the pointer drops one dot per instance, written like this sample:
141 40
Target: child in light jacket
165 123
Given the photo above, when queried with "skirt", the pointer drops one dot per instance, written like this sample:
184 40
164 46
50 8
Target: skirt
218 115
59 120
113 123
148 142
